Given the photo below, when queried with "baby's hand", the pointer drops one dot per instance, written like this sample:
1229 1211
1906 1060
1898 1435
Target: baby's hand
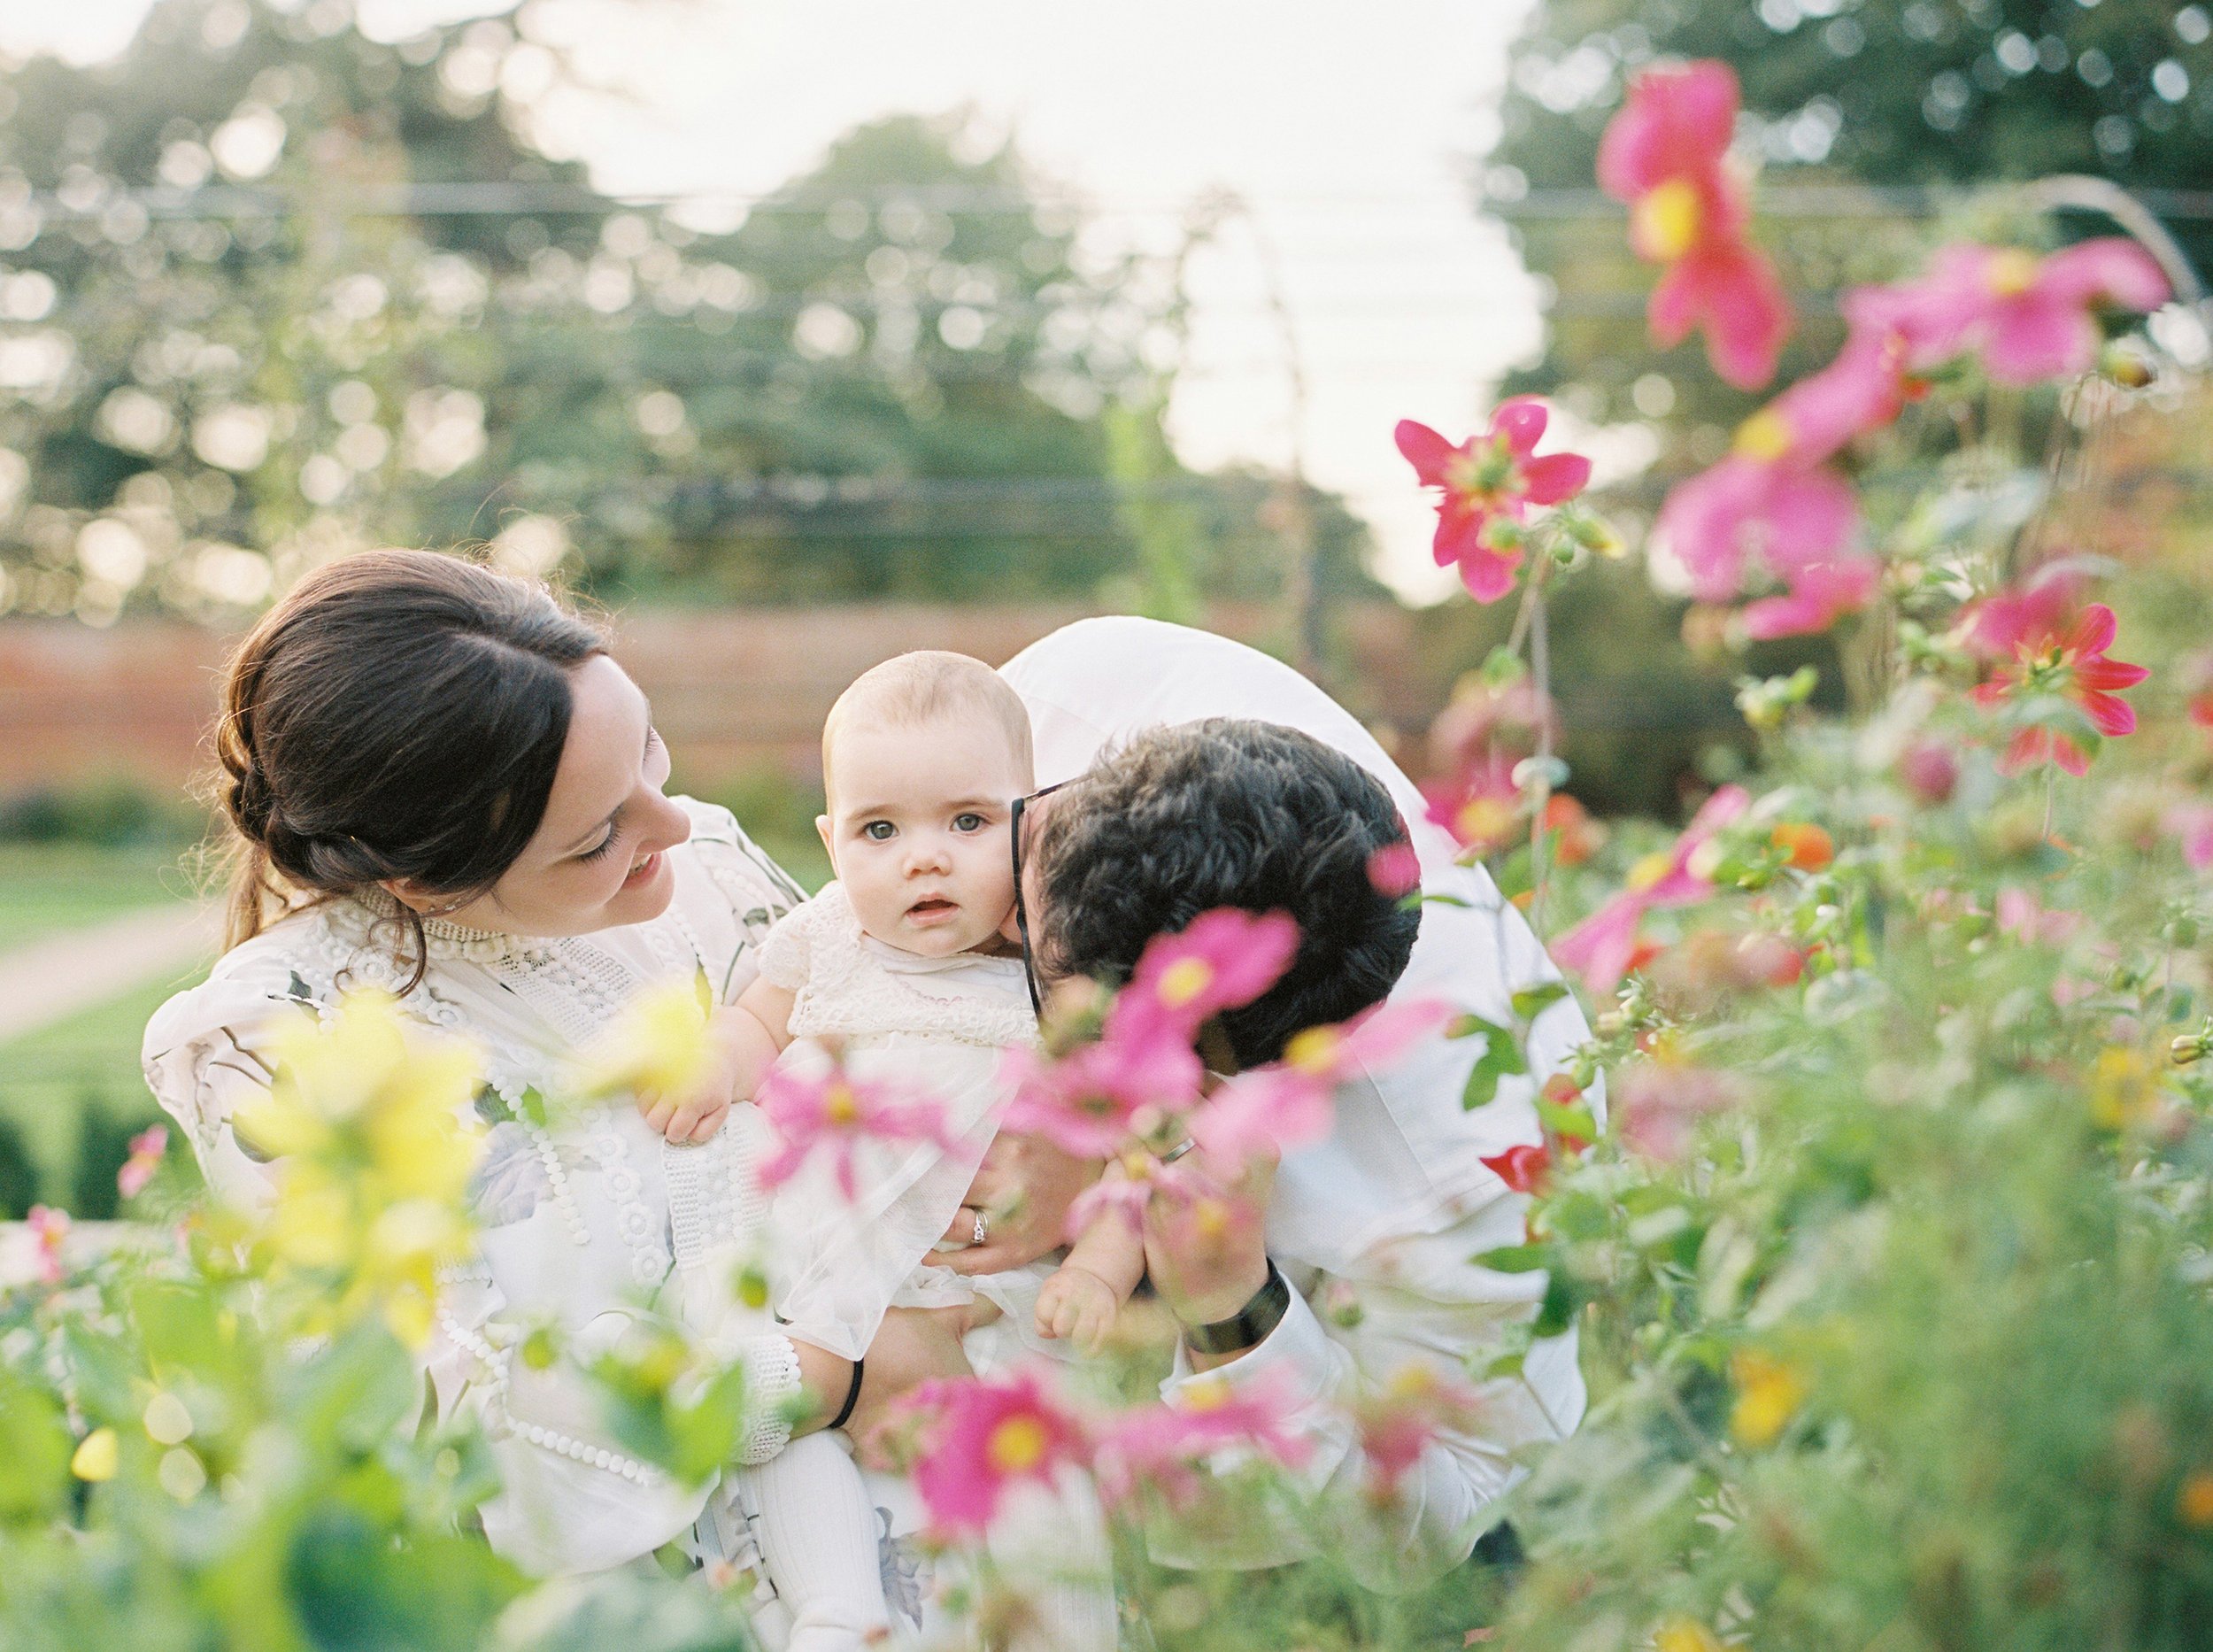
691 1121
696 1114
1076 1304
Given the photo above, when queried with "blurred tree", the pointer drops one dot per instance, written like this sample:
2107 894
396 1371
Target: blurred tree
273 289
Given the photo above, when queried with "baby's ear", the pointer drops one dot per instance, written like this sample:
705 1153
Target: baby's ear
821 828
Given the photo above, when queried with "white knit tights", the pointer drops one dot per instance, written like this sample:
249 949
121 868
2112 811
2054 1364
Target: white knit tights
819 1535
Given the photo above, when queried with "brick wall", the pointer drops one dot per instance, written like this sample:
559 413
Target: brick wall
732 690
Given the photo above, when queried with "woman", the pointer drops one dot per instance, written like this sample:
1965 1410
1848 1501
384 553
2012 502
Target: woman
443 786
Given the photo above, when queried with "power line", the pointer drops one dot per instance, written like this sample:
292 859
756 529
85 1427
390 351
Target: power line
502 198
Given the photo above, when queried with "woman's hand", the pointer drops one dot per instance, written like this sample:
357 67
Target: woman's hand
1207 1255
1024 1193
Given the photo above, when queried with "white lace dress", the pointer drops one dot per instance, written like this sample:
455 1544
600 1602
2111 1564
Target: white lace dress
939 1027
579 1224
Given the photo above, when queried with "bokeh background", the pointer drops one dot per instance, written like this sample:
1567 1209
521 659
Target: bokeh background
794 335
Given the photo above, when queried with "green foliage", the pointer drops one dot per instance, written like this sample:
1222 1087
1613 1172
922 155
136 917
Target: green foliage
370 311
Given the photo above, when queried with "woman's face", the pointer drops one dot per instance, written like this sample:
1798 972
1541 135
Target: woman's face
598 859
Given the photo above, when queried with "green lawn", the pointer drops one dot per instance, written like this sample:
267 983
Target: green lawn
46 887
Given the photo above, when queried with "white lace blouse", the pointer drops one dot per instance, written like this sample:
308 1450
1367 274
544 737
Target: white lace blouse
579 1222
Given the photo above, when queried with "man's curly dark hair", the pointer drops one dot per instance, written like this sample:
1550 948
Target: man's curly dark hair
1226 813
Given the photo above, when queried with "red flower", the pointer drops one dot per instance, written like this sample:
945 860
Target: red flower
1489 483
1604 946
1521 1168
2040 649
1666 155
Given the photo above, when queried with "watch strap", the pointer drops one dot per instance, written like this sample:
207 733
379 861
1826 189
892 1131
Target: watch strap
1249 1326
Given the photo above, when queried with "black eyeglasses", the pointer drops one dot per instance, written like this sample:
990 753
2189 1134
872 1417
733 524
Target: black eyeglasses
1022 908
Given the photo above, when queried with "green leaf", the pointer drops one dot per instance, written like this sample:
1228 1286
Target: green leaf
1570 1119
1501 1056
34 1446
1514 1259
1532 1002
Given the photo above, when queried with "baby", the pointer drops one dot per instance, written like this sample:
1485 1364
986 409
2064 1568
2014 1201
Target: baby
904 966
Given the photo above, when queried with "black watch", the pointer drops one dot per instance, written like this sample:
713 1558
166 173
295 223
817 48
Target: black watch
1249 1326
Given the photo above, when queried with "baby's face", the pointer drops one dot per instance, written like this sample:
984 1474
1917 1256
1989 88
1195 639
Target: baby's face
917 831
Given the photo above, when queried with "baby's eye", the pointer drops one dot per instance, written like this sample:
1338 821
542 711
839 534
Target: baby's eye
879 831
970 822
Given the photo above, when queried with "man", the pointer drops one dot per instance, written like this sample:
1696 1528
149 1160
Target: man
1387 1209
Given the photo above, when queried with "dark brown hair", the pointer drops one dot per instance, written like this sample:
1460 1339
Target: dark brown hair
397 714
1226 813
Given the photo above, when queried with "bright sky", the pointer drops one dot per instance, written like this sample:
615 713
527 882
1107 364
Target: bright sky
1347 128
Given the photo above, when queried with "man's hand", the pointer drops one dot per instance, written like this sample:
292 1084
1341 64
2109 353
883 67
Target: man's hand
1024 1193
912 1346
1207 1255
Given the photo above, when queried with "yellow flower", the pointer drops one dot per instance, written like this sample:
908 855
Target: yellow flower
1768 1393
95 1458
662 1046
2194 1502
1685 1635
2121 1087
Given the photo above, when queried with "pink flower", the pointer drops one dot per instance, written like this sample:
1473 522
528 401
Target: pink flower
1489 483
1291 1103
1600 949
1395 869
2025 918
1092 1099
1746 513
1159 1446
1860 391
2029 317
1128 1196
2192 823
1220 959
1481 807
1397 1420
2040 650
1820 595
1929 770
49 1228
1661 1100
986 1436
1143 1065
834 1113
1666 155
146 1149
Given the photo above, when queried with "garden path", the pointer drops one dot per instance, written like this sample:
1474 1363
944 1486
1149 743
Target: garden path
57 977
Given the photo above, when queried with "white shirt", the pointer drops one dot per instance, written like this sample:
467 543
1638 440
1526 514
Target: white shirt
1395 1201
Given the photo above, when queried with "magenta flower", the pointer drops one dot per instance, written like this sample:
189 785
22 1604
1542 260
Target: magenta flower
1160 1447
1220 959
1093 1099
834 1114
1820 595
1489 483
985 1436
2040 650
1600 947
1860 391
145 1157
49 1228
1143 1066
2029 318
1291 1103
1747 513
1395 869
1666 154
